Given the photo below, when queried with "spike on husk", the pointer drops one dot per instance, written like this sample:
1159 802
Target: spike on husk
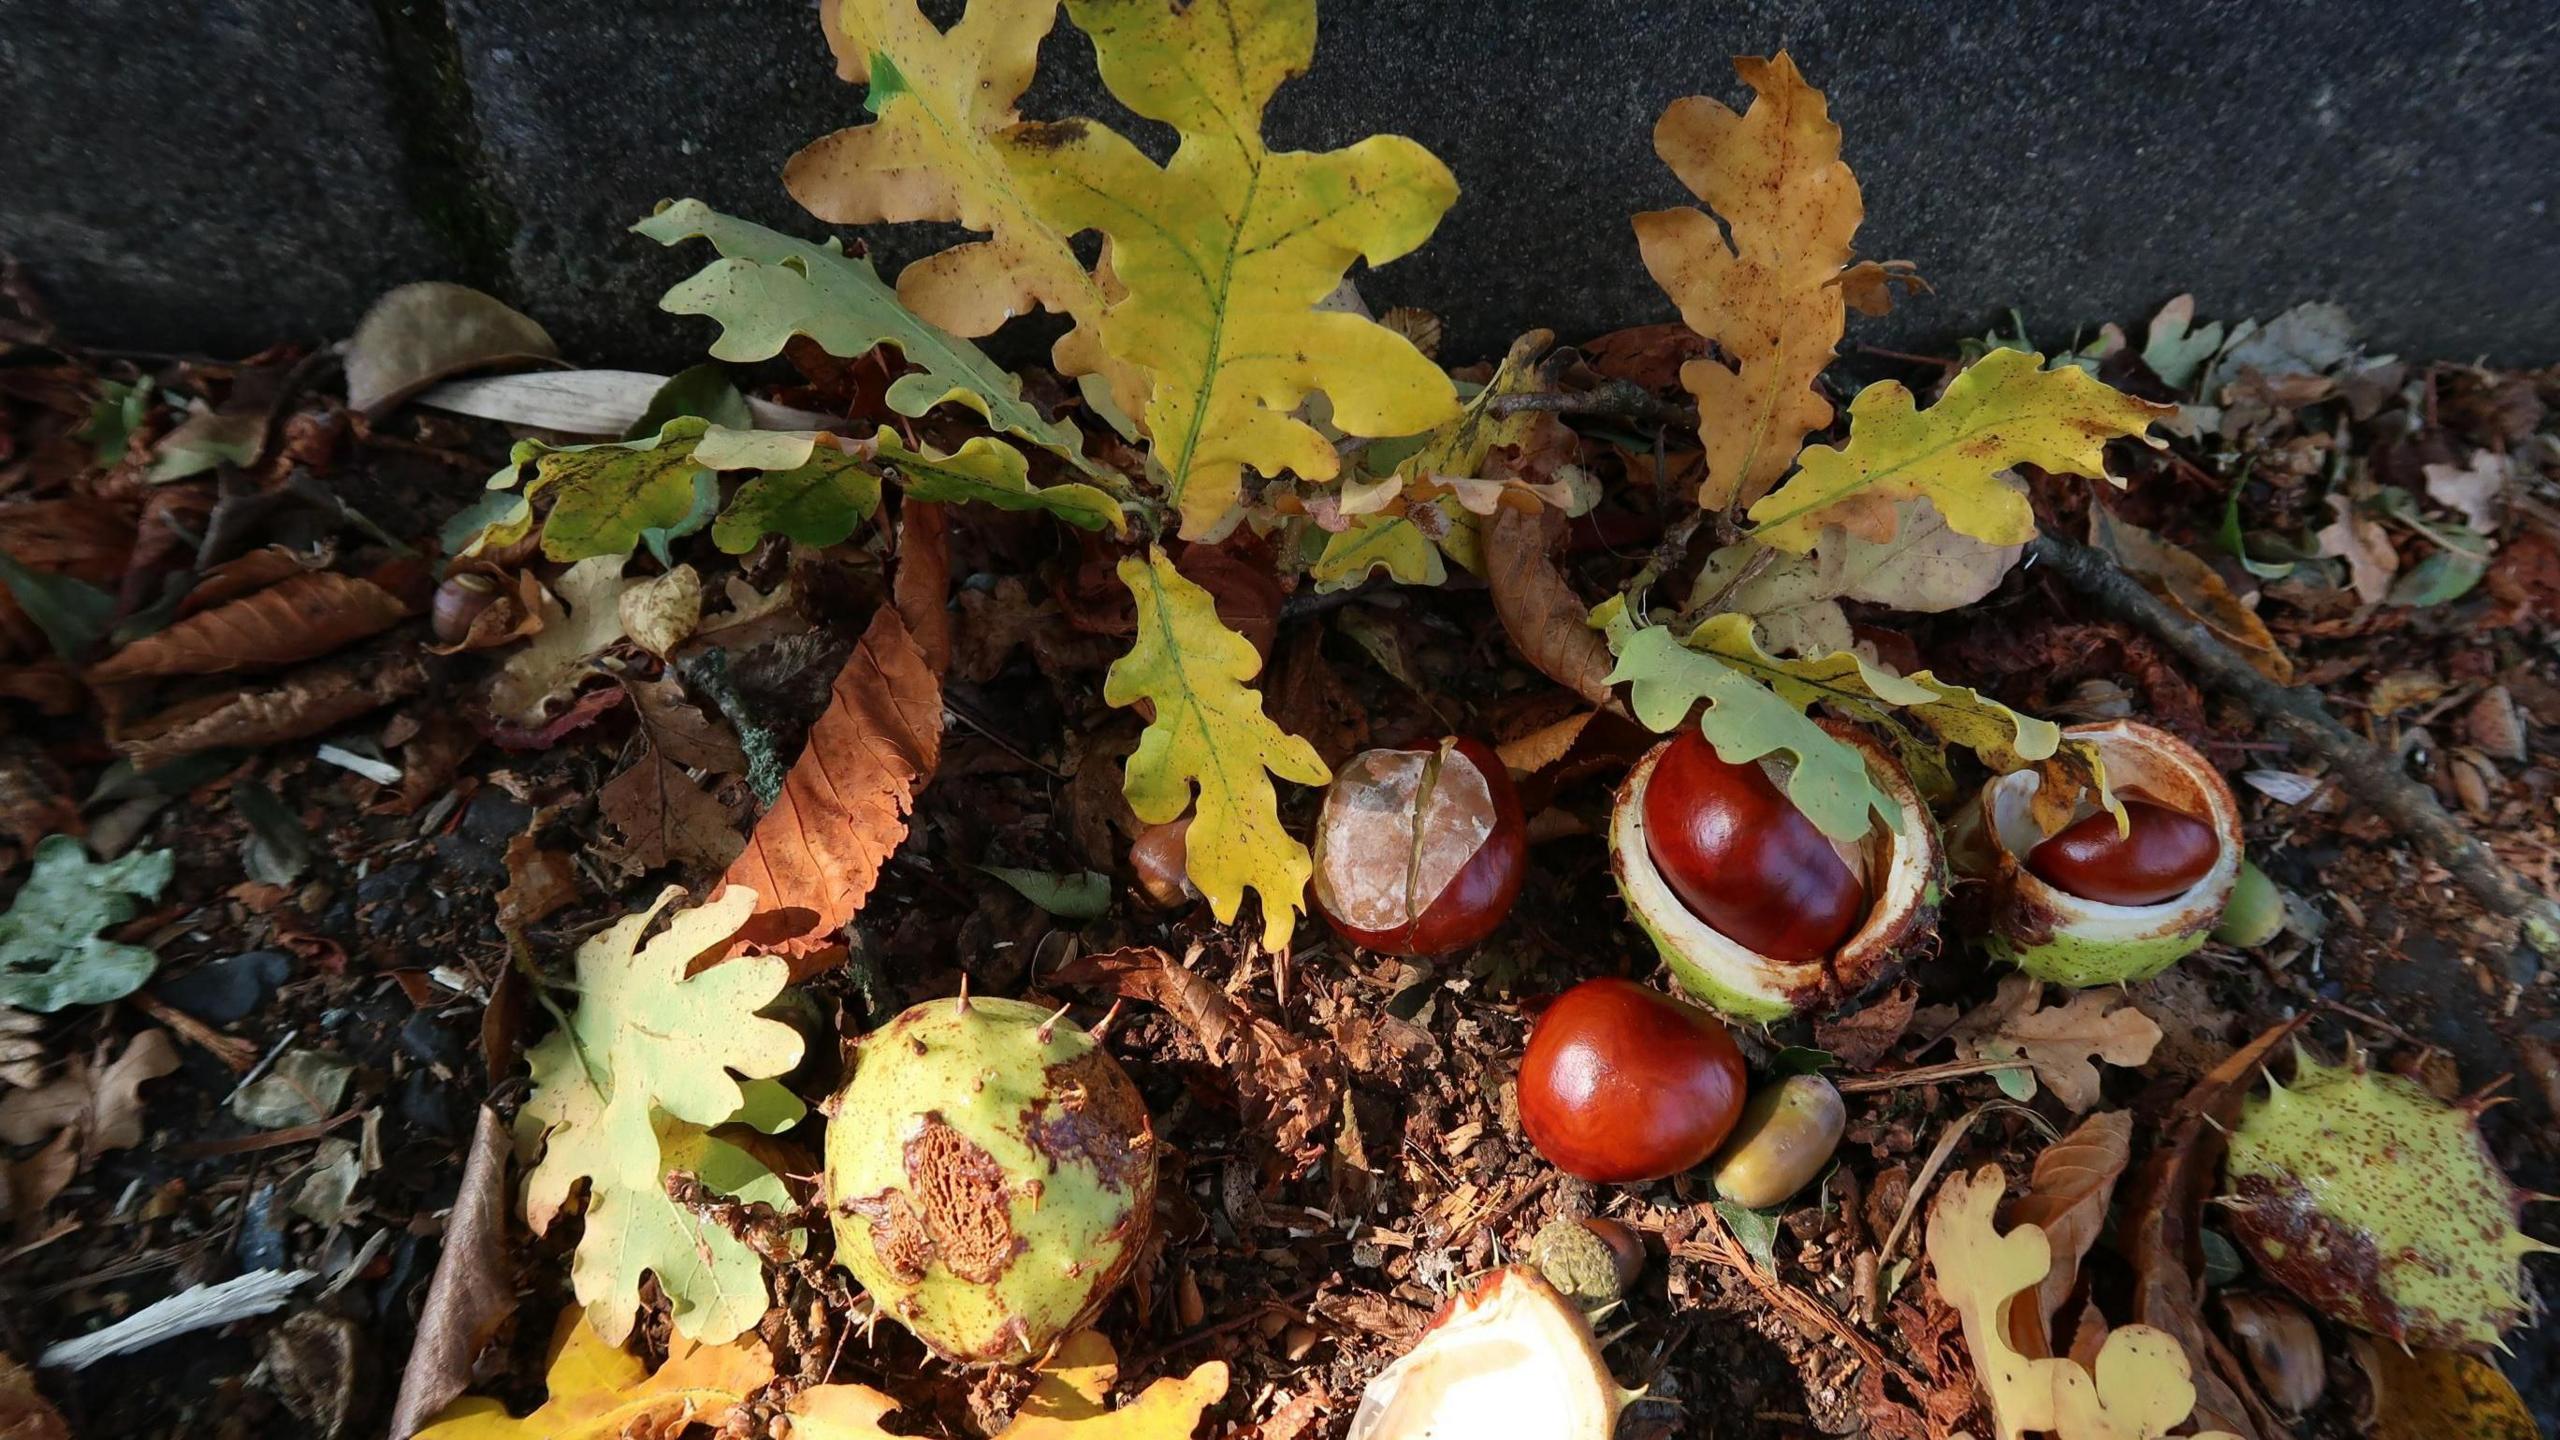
2380 1206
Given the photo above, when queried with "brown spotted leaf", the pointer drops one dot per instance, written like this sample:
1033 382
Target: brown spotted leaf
302 617
1548 623
2067 1199
815 855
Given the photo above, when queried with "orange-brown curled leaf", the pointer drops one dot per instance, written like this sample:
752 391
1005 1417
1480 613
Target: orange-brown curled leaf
300 618
815 855
1547 622
1768 296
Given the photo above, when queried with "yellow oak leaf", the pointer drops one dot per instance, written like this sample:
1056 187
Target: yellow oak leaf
2004 410
2142 1384
599 1391
1209 734
940 99
1072 1399
1227 249
1769 295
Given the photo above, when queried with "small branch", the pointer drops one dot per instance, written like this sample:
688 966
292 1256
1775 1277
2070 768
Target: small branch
1617 397
2361 767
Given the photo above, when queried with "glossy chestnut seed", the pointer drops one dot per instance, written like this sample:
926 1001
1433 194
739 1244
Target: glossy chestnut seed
1160 859
2159 857
458 602
1622 1083
1420 852
1744 859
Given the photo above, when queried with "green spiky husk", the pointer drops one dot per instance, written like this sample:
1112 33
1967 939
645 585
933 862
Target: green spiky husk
2381 1206
991 1173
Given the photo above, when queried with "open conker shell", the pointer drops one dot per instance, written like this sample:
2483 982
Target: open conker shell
2071 939
1420 852
1898 873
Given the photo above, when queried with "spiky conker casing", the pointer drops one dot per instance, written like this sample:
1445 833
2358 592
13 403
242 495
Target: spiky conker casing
991 1172
2380 1205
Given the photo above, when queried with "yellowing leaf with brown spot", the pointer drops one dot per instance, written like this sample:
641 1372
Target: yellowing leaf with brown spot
1072 1399
1209 735
599 1391
1227 249
2004 410
1769 295
2442 1393
941 98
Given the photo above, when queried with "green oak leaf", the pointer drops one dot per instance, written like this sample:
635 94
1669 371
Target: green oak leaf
51 954
768 287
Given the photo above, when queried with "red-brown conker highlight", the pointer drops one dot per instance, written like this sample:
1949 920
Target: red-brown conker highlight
1744 859
1420 852
2159 856
1622 1083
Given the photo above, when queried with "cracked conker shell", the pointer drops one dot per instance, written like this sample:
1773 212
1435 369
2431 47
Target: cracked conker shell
1622 1083
991 1172
1898 873
1388 869
1743 858
2158 854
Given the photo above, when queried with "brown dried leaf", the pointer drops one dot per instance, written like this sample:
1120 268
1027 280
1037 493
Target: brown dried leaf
1548 624
666 818
87 540
2364 545
1308 698
815 855
2067 1199
1862 1039
921 588
1287 1085
539 882
300 618
472 1292
24 1412
2060 1043
2162 1229
681 731
303 703
2192 588
1763 284
102 1101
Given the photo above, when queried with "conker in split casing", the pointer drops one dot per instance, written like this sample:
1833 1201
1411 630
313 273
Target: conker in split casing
1622 1083
1420 852
2158 856
1744 859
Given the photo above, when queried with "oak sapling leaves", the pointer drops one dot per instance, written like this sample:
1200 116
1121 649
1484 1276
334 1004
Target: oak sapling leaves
1769 296
769 287
1210 738
1226 250
2003 410
941 101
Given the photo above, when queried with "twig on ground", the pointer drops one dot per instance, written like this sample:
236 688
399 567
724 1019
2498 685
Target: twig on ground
1926 1075
1616 397
2359 765
1715 1244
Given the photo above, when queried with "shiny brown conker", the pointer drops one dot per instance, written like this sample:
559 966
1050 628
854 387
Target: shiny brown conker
1623 1083
2159 856
1744 859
